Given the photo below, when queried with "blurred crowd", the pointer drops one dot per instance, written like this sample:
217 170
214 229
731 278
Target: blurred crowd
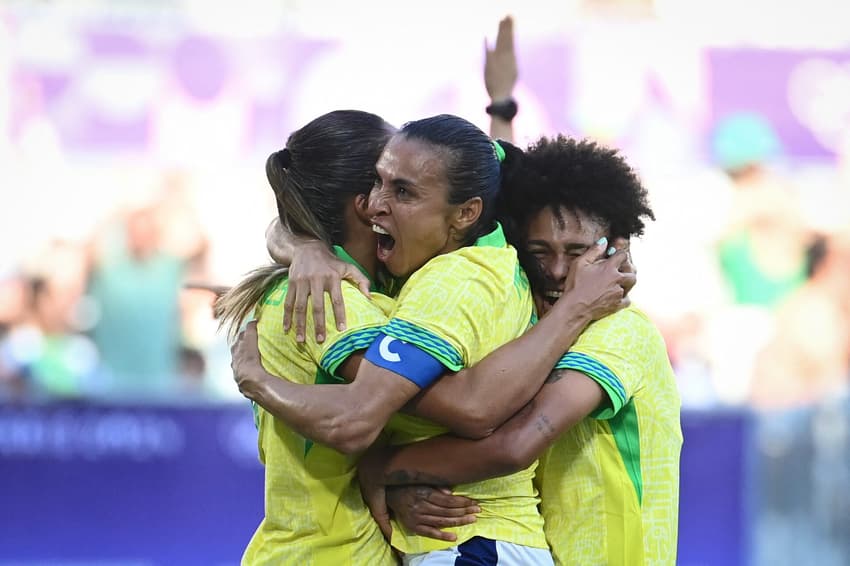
764 320
109 316
763 258
745 269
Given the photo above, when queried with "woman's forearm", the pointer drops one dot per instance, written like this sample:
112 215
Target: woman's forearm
281 243
278 242
566 398
318 412
460 461
448 460
347 417
475 401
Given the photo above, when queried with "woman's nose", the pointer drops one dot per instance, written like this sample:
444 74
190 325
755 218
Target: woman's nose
558 268
377 202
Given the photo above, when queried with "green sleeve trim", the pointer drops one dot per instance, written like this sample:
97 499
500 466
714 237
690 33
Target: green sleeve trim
426 340
599 373
626 430
347 345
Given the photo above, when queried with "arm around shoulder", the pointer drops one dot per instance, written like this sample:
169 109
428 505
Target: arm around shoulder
477 400
347 417
371 398
566 399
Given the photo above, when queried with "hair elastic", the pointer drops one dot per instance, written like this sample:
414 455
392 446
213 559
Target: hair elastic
499 150
284 158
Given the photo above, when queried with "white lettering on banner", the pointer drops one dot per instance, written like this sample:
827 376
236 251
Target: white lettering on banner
89 434
238 440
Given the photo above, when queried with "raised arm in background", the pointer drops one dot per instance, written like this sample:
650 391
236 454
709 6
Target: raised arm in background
500 76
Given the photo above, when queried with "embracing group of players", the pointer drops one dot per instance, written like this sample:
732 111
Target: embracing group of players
492 397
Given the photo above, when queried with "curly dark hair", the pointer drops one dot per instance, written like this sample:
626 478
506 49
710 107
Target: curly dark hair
577 175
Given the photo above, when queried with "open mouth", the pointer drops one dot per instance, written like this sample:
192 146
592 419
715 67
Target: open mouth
385 242
552 296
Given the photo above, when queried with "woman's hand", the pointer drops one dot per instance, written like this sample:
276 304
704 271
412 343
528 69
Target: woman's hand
597 283
369 474
315 270
248 370
500 67
622 245
425 510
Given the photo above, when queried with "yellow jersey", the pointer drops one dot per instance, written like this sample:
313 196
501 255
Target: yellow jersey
459 307
610 485
314 513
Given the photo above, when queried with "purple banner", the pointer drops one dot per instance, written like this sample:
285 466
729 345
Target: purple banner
799 92
163 95
165 485
87 484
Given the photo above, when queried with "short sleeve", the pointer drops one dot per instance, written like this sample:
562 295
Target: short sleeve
613 352
364 320
443 307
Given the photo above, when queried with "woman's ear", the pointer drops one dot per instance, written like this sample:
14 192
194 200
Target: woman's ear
466 215
361 205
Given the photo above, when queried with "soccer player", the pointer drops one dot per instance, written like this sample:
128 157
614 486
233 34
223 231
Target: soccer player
313 510
433 210
605 426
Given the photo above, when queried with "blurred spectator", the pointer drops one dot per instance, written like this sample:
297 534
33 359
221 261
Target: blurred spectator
64 362
808 358
108 317
14 310
183 235
760 252
135 285
763 254
44 351
802 434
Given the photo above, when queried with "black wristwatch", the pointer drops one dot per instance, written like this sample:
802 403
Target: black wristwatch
505 109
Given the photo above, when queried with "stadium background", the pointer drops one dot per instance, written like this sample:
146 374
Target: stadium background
170 107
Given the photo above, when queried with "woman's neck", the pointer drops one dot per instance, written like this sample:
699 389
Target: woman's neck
360 242
362 250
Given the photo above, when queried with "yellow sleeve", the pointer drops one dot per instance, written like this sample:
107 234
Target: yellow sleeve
445 306
614 352
364 319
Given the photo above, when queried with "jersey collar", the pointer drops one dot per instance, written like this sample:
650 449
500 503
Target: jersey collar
495 239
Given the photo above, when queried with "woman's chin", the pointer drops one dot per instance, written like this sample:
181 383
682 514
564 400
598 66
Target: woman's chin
542 306
395 268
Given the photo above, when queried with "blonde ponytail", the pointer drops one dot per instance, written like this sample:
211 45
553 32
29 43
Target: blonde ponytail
235 306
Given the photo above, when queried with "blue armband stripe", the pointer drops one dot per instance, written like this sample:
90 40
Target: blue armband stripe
599 372
406 360
425 340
